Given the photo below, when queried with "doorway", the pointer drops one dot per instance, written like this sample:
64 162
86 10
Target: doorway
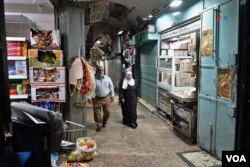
243 116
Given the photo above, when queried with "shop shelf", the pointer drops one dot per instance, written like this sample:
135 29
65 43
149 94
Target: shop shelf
16 58
18 76
15 39
24 96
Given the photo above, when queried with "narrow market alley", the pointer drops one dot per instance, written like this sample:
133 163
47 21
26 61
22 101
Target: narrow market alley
152 144
183 63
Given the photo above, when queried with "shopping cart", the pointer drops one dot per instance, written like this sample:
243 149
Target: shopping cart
72 131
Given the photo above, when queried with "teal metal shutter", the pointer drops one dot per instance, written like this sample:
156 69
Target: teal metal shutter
148 74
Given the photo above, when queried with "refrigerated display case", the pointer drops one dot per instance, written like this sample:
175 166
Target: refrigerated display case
17 48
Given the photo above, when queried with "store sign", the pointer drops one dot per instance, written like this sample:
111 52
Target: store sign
182 30
171 34
193 26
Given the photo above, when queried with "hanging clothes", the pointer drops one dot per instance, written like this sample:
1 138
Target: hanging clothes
88 85
75 75
132 53
81 76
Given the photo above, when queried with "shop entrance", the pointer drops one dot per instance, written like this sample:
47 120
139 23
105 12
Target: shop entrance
243 117
218 79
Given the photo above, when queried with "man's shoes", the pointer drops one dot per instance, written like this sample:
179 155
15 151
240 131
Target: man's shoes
98 129
104 125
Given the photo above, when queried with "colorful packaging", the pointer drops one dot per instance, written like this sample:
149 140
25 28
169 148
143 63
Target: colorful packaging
45 58
19 89
45 39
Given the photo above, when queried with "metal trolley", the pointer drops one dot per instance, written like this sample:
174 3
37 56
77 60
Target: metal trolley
72 131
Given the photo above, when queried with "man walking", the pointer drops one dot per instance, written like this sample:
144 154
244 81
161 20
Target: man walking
104 95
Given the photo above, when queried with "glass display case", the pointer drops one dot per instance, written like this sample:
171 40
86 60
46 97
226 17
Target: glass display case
176 64
175 73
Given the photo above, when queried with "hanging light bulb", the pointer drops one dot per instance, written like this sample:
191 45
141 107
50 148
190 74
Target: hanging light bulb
120 32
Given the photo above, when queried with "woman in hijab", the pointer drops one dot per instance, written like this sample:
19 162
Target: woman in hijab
129 97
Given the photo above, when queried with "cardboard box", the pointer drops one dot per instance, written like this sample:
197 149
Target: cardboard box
164 45
52 93
47 75
166 78
45 39
164 52
183 79
193 41
45 58
186 65
182 44
171 52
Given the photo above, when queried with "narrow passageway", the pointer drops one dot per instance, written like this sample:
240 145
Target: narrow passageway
152 144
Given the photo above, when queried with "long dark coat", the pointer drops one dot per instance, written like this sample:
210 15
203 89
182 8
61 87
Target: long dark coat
130 104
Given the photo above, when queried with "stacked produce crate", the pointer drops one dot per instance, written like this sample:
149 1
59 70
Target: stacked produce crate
47 74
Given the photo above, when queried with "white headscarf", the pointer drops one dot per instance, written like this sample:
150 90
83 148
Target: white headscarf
76 75
127 82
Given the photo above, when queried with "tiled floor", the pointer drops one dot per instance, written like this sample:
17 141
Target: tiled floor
200 159
152 144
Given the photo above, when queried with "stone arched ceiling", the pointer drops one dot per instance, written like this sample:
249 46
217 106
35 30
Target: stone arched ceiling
139 9
123 13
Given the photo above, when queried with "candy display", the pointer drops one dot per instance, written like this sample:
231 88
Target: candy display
47 75
52 93
17 48
46 71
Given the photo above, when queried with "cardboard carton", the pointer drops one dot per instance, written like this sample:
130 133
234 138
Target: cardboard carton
45 58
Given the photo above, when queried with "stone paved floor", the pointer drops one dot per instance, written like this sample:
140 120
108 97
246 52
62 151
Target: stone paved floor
152 144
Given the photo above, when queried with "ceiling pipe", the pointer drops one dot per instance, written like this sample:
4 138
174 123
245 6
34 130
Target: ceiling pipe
125 14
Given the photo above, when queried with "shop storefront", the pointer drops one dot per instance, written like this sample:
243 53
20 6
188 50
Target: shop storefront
216 77
190 67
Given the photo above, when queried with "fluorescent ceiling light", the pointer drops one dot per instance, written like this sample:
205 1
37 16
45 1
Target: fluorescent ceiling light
176 13
175 39
175 3
149 17
120 32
